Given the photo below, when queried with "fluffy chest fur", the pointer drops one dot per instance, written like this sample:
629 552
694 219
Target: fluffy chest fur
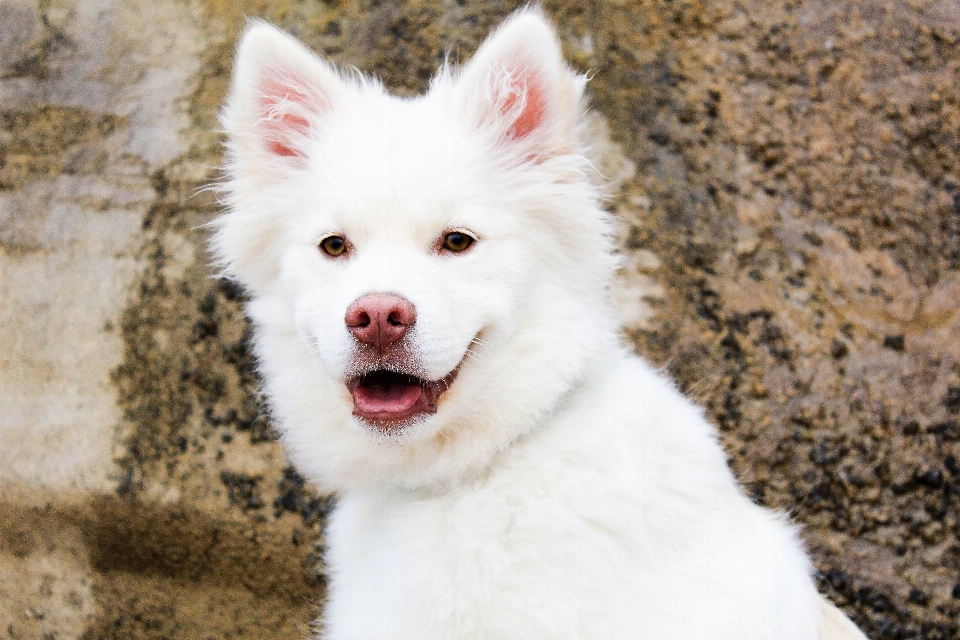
635 526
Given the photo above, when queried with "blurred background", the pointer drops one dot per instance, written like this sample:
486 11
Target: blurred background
787 179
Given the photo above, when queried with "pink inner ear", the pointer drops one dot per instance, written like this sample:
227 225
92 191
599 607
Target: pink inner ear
525 85
282 101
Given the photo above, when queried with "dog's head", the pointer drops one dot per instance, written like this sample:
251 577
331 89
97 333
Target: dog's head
428 276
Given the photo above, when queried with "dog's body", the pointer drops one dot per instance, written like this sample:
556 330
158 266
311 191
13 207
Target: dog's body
429 286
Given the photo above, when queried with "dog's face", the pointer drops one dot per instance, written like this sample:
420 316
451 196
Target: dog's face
403 262
434 270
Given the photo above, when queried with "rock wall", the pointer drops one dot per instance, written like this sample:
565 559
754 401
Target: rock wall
789 193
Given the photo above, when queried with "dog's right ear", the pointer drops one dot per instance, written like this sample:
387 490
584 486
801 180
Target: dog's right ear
280 94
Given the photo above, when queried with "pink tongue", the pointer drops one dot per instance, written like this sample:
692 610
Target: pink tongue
386 399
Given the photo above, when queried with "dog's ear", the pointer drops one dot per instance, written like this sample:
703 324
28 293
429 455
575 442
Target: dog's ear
518 88
281 91
281 95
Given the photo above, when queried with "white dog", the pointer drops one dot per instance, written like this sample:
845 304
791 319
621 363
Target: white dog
429 283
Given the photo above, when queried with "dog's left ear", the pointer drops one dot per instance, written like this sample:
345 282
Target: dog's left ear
518 88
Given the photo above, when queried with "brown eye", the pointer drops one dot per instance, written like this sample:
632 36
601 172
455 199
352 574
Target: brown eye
333 246
457 241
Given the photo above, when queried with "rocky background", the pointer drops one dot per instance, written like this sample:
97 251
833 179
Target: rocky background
787 175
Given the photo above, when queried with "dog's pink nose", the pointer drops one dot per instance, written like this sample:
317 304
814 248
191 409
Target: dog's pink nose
380 319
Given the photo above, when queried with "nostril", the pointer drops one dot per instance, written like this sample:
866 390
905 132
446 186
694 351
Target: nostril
357 316
401 313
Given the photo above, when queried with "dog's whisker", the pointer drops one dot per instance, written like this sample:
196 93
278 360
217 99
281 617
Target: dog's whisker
310 343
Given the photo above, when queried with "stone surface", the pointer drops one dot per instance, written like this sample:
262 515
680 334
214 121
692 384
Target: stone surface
785 176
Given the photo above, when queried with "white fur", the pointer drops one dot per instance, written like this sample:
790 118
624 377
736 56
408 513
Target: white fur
563 489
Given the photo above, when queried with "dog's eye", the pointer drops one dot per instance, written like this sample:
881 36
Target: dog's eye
333 246
457 241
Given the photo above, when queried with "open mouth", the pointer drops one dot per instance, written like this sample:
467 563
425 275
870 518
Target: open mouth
390 399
